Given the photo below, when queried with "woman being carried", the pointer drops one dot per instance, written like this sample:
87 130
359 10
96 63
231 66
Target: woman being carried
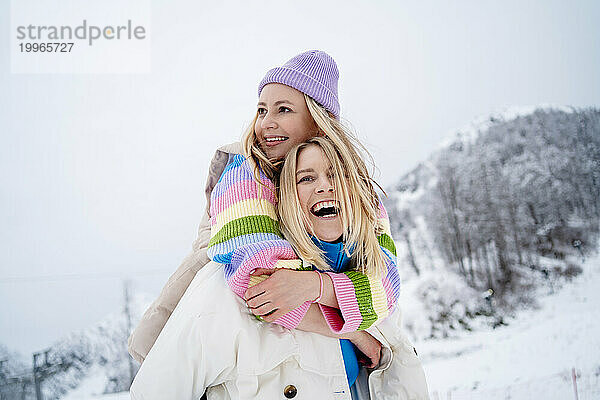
318 221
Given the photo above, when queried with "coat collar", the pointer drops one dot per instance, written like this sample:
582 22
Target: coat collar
232 148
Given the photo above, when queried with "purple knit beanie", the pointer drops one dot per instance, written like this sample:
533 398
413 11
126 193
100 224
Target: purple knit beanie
313 72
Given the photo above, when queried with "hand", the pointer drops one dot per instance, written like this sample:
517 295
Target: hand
368 346
284 290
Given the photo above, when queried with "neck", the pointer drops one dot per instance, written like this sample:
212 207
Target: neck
334 253
338 240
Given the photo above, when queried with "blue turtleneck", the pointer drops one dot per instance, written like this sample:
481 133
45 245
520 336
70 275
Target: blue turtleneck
339 262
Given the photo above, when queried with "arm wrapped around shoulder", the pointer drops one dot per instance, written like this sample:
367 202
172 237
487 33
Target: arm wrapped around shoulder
245 231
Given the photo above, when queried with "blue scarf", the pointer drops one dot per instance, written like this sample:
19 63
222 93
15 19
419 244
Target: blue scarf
339 262
334 254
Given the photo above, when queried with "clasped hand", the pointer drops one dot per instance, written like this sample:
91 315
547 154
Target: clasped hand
284 290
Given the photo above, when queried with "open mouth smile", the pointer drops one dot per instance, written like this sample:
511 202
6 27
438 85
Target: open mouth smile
325 209
274 140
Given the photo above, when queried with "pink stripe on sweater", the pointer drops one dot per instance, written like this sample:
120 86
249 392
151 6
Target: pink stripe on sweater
293 318
265 258
239 283
240 191
389 292
351 318
382 214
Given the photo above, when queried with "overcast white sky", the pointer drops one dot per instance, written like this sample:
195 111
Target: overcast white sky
103 175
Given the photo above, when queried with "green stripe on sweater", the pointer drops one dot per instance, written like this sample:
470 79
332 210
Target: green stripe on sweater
386 242
362 289
245 226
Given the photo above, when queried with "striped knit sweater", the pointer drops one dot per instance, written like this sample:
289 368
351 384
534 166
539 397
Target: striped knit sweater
245 235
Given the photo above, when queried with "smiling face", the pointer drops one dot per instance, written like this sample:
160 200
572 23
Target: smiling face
316 193
283 120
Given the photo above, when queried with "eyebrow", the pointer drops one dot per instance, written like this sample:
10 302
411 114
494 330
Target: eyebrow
305 170
276 103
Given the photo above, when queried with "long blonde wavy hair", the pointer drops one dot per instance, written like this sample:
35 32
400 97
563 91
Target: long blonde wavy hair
360 204
358 209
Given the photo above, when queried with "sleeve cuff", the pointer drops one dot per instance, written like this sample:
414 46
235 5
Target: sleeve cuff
294 317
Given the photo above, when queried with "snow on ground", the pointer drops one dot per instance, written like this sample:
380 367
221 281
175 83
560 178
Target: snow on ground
112 396
532 357
91 388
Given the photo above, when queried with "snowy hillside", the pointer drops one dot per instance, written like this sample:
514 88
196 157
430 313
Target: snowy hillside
503 210
531 358
86 363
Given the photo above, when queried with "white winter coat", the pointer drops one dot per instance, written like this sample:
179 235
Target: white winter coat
213 343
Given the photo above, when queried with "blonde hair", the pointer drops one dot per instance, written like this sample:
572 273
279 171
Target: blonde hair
361 193
358 209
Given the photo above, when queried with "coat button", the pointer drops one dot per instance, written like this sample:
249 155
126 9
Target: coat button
290 391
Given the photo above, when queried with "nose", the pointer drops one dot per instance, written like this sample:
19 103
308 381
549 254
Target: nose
268 122
325 185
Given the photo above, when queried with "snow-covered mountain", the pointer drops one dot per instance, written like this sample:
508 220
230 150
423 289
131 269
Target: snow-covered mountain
96 357
508 205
